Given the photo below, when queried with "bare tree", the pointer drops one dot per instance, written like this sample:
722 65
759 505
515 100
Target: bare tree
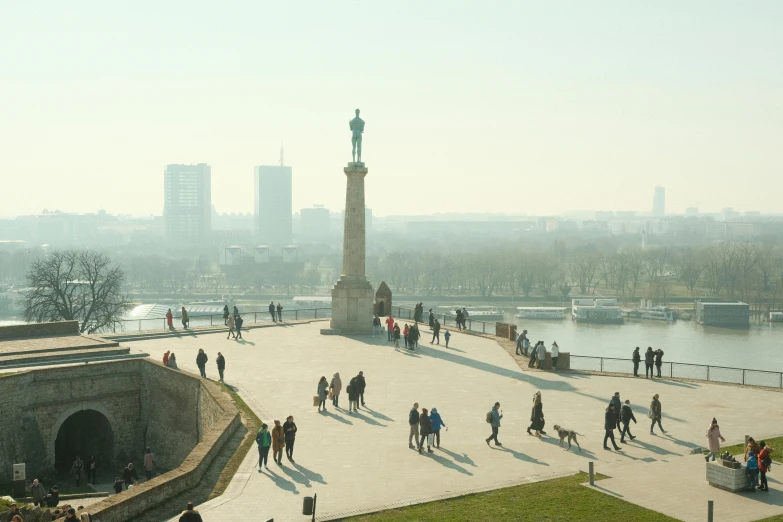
583 266
76 285
690 264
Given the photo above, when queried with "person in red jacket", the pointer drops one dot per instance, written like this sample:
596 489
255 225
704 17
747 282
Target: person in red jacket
390 326
764 455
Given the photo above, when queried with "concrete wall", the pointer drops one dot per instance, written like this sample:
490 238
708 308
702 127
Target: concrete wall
16 331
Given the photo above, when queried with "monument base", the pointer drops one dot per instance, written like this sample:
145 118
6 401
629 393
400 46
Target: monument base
352 307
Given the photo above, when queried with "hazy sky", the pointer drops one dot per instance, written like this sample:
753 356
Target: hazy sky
470 106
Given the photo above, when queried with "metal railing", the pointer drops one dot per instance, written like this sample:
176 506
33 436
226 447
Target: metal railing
404 313
700 372
249 317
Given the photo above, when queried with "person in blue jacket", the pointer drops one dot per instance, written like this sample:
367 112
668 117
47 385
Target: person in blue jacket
437 424
752 470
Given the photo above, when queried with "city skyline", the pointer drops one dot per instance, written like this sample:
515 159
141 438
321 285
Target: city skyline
565 112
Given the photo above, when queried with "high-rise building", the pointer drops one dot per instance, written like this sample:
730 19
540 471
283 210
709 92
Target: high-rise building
314 224
659 202
273 196
187 202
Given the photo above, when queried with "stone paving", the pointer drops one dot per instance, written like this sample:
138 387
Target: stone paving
359 463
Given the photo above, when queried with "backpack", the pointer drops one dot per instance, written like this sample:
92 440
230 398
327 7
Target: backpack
767 460
489 417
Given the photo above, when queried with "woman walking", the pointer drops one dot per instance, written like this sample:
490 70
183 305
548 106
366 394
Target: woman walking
425 430
335 387
655 414
323 386
289 427
715 438
405 332
555 354
226 314
396 336
185 318
170 319
537 416
437 423
230 324
278 443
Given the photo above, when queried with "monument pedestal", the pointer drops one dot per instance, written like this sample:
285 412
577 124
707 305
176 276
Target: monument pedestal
353 296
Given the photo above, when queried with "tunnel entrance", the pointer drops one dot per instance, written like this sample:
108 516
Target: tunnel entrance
84 433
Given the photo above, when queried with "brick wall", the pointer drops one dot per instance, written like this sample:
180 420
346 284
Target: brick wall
39 329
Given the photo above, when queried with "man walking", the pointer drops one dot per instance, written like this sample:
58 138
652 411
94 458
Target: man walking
264 441
636 360
436 332
413 421
626 414
272 310
238 321
201 362
376 326
361 384
413 336
230 324
390 326
221 364
610 423
649 358
495 415
616 403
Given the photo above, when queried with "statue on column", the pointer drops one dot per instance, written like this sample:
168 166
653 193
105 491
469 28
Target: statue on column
357 128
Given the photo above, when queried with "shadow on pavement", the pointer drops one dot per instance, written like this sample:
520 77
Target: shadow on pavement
446 463
368 420
297 476
651 447
377 415
608 492
461 458
520 456
555 441
682 384
242 341
280 482
327 413
311 475
683 443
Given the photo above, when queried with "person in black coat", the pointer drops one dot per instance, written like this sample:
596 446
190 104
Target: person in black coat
221 364
626 415
537 416
649 358
225 315
425 430
436 332
658 360
636 360
201 362
610 423
289 428
413 336
362 384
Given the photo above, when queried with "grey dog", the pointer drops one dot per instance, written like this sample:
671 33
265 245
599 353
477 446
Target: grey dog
571 434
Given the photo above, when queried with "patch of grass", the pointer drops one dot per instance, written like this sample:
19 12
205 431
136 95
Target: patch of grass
253 424
776 443
563 499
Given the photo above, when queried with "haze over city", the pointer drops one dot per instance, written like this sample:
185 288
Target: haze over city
509 107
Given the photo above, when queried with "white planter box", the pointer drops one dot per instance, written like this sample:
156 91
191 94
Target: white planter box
729 479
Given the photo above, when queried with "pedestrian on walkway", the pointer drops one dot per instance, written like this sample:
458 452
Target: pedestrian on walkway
166 357
172 362
537 416
413 421
521 338
610 423
323 387
390 327
185 318
376 326
396 335
494 419
353 395
129 475
405 334
413 336
658 360
465 316
117 485
76 469
264 441
459 319
446 337
636 358
649 358
655 414
279 312
190 514
230 324
555 355
362 385
615 401
715 438
37 492
238 321
149 462
226 314
533 355
431 319
765 461
626 414
335 387
278 443
236 312
289 428
92 467
221 365
437 423
436 332
272 310
425 430
541 355
201 362
170 319
752 471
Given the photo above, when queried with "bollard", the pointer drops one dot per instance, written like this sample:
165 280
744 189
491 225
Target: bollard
591 470
709 510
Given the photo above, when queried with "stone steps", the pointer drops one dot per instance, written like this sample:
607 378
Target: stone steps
66 356
99 343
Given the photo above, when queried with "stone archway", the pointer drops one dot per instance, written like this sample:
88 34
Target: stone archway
82 430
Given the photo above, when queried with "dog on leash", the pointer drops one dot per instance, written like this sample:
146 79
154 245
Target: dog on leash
571 434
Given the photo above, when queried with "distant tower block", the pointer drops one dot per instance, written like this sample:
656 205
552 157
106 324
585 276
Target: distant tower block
383 300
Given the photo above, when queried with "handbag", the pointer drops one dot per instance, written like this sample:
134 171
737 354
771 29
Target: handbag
316 400
650 414
331 395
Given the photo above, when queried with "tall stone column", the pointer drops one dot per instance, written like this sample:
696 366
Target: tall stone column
353 295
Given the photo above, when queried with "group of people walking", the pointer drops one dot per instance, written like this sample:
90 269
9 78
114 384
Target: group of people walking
282 436
618 413
170 360
409 333
537 355
331 390
234 322
650 357
183 316
425 427
276 309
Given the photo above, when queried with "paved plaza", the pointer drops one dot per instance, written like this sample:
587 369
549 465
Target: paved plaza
358 463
